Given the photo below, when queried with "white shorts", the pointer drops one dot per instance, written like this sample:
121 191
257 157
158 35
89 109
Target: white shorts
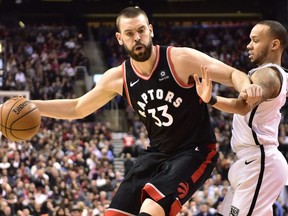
256 181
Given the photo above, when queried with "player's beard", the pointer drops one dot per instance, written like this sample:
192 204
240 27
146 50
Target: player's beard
263 55
140 56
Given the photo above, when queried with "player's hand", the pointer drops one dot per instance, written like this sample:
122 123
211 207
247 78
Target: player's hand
252 94
204 87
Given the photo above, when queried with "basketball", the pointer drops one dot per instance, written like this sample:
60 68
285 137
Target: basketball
20 119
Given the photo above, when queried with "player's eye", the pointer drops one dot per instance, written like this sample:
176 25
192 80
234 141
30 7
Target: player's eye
141 31
129 34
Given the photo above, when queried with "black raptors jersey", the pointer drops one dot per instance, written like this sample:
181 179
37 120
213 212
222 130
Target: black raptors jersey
174 115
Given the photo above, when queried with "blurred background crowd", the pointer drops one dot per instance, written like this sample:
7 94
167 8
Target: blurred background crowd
68 168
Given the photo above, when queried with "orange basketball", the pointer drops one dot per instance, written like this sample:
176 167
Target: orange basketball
20 119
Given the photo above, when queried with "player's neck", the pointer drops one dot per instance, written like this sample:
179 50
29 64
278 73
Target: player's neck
145 68
274 59
269 62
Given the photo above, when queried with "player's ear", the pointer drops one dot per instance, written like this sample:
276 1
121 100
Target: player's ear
119 38
275 44
151 30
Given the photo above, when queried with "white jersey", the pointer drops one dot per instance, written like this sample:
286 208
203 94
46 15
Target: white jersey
260 126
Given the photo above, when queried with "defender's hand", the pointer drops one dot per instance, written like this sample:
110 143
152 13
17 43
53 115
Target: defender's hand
252 94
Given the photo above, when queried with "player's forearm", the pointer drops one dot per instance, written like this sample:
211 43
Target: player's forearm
232 105
60 109
240 80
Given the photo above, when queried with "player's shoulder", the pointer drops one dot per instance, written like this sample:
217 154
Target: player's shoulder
267 74
114 71
182 53
181 50
269 78
112 77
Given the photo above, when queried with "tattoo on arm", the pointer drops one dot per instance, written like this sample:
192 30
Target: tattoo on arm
270 80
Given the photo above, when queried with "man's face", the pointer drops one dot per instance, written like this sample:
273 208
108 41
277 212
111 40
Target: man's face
136 37
260 44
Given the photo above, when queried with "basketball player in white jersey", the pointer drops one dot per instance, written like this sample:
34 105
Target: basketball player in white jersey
261 171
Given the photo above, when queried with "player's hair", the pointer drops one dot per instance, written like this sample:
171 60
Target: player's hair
277 30
130 12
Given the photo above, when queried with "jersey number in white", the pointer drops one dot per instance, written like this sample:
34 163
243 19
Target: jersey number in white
163 109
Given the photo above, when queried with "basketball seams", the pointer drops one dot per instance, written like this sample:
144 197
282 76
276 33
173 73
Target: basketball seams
25 129
16 103
19 129
11 126
22 114
19 138
13 130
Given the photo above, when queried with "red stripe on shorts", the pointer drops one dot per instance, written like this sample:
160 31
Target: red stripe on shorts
115 212
175 208
152 191
199 172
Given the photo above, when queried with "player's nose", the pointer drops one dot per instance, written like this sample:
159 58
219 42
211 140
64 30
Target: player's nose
249 46
137 37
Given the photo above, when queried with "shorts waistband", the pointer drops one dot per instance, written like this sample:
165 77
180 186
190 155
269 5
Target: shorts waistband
248 150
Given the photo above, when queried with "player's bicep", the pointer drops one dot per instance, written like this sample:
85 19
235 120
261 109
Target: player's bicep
99 96
106 89
219 71
270 81
188 62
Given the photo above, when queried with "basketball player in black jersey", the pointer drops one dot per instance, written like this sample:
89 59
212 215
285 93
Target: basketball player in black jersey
157 82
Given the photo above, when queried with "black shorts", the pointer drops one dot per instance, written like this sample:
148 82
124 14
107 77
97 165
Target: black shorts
158 175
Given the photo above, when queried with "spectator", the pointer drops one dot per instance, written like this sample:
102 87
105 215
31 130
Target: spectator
128 144
20 78
76 211
204 210
60 211
5 164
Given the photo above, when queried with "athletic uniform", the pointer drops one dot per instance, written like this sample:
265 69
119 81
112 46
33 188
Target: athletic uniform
182 151
260 173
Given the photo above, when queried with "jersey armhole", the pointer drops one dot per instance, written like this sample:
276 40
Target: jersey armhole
125 92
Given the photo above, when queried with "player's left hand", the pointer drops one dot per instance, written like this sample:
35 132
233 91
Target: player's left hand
252 94
204 87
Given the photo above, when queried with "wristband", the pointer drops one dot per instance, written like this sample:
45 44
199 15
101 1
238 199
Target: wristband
213 100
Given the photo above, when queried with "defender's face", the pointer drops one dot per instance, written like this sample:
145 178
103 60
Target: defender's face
260 44
136 37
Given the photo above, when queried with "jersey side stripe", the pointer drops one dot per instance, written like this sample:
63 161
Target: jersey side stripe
262 165
125 84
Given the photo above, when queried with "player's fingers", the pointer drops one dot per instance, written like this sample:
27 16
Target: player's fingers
205 75
204 71
259 91
196 78
254 94
243 95
210 84
256 91
208 79
251 91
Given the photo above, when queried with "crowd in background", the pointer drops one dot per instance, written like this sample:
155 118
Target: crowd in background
68 167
